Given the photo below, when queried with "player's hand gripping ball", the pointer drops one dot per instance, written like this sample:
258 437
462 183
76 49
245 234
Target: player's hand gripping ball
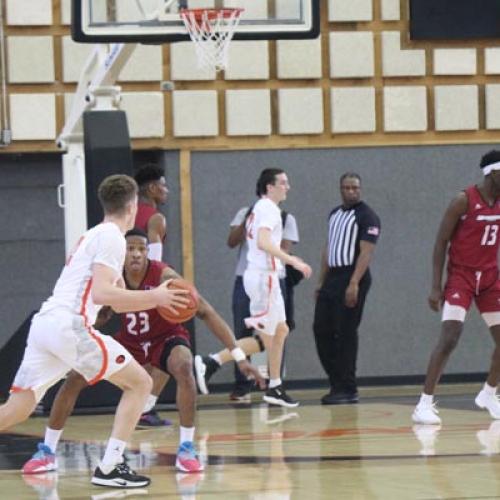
192 306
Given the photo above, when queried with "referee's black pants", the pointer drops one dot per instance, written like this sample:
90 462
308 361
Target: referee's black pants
336 328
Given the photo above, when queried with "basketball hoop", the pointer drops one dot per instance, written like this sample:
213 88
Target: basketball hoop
211 30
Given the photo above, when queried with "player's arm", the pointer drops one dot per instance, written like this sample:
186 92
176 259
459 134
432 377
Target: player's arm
208 315
451 217
286 246
105 314
157 230
105 292
265 243
237 235
237 231
220 329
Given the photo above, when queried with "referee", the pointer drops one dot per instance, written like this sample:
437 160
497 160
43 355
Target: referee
353 231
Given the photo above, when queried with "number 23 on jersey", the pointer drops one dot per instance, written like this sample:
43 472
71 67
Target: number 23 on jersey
138 323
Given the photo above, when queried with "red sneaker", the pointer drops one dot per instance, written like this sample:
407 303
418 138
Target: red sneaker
42 461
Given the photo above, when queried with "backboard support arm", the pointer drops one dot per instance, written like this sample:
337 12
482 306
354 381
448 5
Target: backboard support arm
95 91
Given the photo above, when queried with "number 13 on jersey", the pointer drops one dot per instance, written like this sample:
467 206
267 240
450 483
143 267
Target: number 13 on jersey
490 235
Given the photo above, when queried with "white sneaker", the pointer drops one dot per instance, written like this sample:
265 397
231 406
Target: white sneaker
427 435
426 414
489 402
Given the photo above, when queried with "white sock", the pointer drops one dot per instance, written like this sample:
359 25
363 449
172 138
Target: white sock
489 390
150 403
426 399
52 437
274 382
216 358
113 455
186 434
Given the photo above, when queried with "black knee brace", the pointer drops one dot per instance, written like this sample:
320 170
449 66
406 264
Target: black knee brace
259 341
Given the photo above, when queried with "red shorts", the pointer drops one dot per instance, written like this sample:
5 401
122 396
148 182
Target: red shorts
464 284
154 351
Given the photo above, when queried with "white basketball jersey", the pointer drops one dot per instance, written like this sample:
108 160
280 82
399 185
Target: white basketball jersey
265 214
103 244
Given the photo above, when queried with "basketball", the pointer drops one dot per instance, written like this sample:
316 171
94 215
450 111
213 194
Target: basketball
192 307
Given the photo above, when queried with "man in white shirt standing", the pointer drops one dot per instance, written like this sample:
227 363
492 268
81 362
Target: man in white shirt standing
264 232
61 336
240 300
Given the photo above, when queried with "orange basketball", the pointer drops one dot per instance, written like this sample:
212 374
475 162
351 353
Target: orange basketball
192 307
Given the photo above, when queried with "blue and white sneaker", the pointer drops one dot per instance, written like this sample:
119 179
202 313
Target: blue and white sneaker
187 459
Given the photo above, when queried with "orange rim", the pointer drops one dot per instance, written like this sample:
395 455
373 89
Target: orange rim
211 14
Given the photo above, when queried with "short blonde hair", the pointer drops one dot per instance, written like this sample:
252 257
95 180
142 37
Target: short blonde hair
115 192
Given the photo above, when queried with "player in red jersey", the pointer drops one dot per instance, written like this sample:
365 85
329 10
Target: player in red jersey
155 342
470 229
153 192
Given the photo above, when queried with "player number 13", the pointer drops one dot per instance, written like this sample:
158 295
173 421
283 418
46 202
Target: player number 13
490 235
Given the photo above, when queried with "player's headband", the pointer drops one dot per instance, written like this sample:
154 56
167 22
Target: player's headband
492 166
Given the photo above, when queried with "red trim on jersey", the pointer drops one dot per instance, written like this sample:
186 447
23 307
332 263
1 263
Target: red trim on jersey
16 388
75 248
99 341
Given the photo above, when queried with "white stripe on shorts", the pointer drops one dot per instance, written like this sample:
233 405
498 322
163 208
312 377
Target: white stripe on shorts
491 318
453 313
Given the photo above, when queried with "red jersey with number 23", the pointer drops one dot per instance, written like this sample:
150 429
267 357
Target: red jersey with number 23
144 326
475 241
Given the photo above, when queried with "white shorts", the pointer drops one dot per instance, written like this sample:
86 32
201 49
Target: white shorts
267 307
59 341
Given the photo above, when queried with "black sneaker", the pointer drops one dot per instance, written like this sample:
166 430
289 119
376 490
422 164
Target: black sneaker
204 368
340 398
152 419
122 476
278 396
241 395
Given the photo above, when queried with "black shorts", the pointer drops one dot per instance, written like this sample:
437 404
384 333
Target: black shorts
167 350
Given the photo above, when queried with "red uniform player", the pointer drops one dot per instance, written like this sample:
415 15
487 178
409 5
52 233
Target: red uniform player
153 192
145 334
470 228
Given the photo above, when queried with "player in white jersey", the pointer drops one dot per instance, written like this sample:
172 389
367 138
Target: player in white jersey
61 336
261 279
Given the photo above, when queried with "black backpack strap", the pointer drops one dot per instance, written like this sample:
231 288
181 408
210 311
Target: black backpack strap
284 215
249 211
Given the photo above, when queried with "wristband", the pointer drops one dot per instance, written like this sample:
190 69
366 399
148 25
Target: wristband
238 354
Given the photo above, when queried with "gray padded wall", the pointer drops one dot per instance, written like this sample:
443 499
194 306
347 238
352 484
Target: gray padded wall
409 187
32 231
31 235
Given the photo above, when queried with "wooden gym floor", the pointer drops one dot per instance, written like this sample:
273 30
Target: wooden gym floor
365 451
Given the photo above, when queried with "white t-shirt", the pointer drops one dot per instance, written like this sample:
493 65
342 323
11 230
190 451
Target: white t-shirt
103 244
265 214
290 233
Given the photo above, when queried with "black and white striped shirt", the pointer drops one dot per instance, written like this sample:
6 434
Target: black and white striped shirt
346 227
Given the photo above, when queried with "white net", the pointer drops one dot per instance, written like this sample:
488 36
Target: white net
211 30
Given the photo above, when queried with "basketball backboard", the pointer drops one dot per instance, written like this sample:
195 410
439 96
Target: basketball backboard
158 21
